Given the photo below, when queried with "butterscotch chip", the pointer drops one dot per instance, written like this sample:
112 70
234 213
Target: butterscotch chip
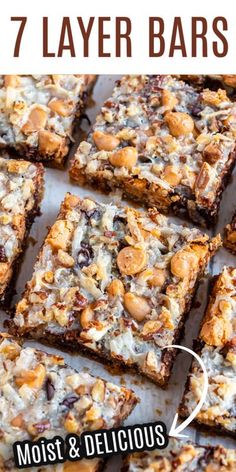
131 260
137 306
125 157
49 143
62 107
183 262
36 121
105 141
179 123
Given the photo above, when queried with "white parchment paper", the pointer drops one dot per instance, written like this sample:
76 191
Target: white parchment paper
154 402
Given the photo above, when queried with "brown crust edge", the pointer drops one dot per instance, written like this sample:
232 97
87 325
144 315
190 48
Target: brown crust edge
197 346
206 217
5 297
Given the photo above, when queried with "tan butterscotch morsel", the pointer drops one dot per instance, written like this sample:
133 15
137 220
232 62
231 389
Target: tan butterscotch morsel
98 391
137 306
11 80
65 259
168 99
172 175
116 288
71 425
18 421
17 167
230 80
36 121
131 260
62 107
216 331
82 466
153 277
49 143
33 378
125 157
59 234
182 262
179 123
49 277
105 141
86 317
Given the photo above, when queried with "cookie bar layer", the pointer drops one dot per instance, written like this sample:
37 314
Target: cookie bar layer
227 81
217 348
230 235
182 457
163 143
115 282
41 396
37 114
21 190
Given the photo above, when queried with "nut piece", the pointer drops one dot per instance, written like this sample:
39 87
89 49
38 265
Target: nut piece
137 306
86 317
61 107
105 141
125 157
151 327
131 260
18 421
179 123
116 288
172 175
59 234
17 167
168 99
98 391
37 120
182 262
70 423
33 378
11 80
216 331
49 143
212 153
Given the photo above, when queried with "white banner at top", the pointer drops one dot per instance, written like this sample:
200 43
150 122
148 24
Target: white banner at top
105 36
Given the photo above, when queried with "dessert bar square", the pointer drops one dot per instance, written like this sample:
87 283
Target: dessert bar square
164 144
37 114
211 81
184 457
41 396
217 348
21 190
230 235
115 282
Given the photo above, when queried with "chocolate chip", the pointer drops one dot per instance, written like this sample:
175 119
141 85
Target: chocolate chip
93 214
85 255
69 401
50 389
42 426
3 257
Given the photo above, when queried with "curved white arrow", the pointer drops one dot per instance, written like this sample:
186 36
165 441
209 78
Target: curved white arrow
175 431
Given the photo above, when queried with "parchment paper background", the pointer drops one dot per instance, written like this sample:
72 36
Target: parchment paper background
155 403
